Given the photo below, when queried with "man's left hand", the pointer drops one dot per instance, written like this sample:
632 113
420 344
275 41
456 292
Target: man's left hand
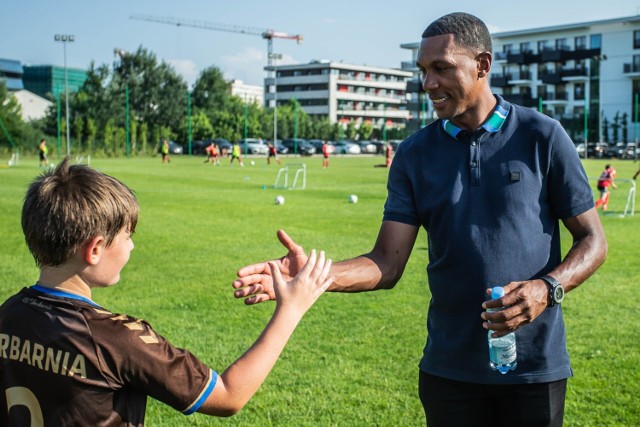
524 301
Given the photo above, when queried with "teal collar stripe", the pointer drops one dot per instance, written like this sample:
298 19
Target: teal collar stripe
62 294
493 124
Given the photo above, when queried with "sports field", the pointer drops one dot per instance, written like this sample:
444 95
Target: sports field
353 359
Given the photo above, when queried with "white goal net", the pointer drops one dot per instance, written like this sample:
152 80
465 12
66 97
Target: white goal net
622 201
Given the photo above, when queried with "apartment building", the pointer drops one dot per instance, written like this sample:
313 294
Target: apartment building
251 94
586 75
342 92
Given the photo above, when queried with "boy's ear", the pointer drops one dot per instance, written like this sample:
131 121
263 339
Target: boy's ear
93 250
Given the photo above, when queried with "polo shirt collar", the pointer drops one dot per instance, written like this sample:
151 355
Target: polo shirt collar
493 123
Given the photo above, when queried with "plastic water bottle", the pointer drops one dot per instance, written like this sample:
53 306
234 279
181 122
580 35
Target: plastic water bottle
502 351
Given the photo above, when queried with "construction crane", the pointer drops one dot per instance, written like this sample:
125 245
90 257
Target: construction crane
269 35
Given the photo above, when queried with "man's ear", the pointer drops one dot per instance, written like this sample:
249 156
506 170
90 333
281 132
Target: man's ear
93 250
484 64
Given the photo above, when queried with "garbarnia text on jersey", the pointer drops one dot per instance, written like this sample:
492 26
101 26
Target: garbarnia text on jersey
41 357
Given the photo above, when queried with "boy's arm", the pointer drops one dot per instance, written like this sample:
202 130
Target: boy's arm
239 382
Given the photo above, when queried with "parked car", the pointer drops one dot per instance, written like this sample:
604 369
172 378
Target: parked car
253 146
199 147
346 147
302 146
615 150
380 146
174 147
631 151
367 147
318 143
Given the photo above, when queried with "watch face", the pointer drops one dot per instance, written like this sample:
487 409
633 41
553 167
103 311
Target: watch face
558 294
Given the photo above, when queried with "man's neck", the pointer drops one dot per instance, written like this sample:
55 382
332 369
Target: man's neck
474 118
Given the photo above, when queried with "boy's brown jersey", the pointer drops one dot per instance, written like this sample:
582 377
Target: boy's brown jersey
64 360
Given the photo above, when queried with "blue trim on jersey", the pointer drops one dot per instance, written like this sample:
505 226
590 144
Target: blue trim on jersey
204 395
62 294
493 123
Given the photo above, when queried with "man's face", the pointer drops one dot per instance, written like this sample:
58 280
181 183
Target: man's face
450 76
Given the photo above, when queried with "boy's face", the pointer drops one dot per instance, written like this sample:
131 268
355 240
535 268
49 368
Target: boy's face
114 258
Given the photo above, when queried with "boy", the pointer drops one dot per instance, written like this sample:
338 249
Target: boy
65 360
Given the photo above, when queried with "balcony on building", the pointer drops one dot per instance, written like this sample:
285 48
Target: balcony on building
583 53
557 97
523 57
631 70
523 77
561 53
523 99
576 73
551 77
500 80
500 56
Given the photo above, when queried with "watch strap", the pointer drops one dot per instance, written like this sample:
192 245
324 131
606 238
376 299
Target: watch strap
552 284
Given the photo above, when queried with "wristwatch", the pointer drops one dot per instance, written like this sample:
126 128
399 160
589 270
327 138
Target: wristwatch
556 291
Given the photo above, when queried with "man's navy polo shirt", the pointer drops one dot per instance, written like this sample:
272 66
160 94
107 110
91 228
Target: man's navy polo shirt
490 203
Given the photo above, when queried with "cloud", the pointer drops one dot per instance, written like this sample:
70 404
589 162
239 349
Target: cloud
187 68
248 65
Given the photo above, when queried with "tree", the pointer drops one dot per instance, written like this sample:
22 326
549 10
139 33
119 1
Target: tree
11 124
624 124
351 130
365 130
211 91
615 127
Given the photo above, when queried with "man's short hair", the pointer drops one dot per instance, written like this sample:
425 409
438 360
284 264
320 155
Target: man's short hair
70 205
468 31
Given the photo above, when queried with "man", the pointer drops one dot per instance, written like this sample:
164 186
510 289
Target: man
489 181
606 180
42 152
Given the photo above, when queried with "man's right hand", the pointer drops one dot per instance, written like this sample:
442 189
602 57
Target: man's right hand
255 283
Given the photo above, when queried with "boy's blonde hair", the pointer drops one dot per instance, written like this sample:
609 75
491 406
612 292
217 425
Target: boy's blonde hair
66 207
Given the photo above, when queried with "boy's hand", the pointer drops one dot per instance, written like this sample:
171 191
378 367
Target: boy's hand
306 287
255 282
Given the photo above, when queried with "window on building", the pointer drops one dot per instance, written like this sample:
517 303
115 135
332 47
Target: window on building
636 39
525 47
596 41
635 100
561 44
543 45
578 91
542 91
507 48
581 42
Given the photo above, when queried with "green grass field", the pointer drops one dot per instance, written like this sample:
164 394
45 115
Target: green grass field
353 360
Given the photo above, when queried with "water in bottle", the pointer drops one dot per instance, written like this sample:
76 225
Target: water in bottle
502 351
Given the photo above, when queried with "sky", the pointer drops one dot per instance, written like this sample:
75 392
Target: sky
352 31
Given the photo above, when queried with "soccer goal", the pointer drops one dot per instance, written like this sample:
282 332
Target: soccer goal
622 201
297 182
83 160
13 161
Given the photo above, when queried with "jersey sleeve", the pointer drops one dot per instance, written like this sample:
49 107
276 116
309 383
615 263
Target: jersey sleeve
400 205
133 354
569 191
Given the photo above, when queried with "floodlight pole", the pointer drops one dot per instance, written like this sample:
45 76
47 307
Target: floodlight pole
273 57
64 39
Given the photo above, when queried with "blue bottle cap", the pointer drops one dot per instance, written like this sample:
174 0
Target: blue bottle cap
497 292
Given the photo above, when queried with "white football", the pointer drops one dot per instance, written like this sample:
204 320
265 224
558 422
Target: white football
353 198
279 200
253 163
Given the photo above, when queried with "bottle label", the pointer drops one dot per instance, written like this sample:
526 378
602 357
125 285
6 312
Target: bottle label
503 355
